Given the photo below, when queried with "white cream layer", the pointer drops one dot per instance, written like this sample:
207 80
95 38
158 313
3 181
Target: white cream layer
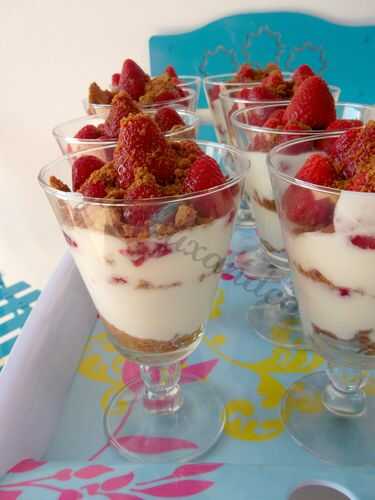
259 182
153 313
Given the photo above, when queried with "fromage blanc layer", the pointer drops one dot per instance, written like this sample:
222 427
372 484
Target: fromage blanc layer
171 280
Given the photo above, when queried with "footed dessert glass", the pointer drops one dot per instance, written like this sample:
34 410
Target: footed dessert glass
188 102
64 133
153 290
330 413
268 260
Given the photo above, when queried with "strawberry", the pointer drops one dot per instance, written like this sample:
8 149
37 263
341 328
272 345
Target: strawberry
363 241
301 207
204 173
317 169
360 152
257 93
88 132
340 149
312 104
139 215
115 79
122 106
82 168
168 95
142 144
94 189
125 176
275 120
359 182
214 92
167 118
245 73
171 72
301 73
273 79
328 145
343 124
133 79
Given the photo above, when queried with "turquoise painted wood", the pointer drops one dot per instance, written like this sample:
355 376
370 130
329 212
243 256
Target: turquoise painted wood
343 54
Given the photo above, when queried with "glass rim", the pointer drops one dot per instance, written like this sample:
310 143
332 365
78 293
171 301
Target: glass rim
226 94
298 182
256 128
161 200
218 79
179 100
88 118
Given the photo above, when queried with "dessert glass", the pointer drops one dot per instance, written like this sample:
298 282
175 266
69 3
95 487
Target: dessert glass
65 132
268 259
331 413
188 102
153 292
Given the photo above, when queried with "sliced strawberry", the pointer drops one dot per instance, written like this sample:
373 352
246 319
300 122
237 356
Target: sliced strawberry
275 120
168 118
343 124
363 241
301 73
301 207
317 169
88 132
82 168
312 104
94 189
133 79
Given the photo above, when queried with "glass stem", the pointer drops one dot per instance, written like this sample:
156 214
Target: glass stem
162 393
344 396
289 303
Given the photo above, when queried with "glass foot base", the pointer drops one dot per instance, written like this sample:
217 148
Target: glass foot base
334 439
255 264
278 324
245 218
152 436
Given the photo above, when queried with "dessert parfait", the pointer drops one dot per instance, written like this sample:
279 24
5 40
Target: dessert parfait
325 190
311 111
149 232
94 131
149 92
276 87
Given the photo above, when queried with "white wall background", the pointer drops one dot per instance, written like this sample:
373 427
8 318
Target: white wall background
49 51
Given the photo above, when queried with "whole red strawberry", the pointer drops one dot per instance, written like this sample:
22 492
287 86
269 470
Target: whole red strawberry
82 168
88 132
142 144
301 73
133 79
168 118
317 169
94 189
122 106
312 104
171 72
302 208
204 173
